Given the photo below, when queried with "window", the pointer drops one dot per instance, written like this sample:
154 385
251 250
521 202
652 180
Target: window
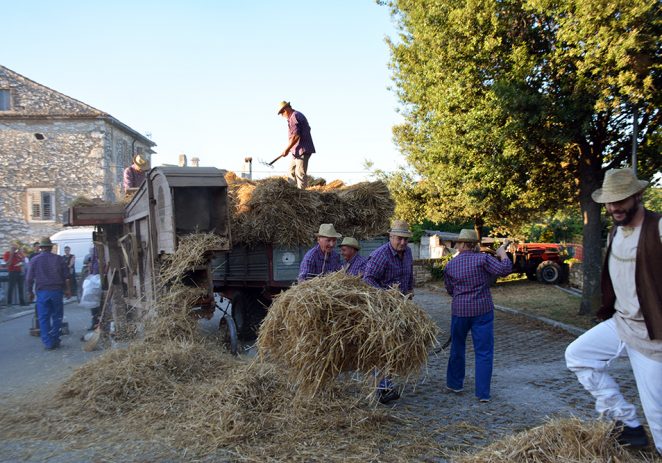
41 205
4 99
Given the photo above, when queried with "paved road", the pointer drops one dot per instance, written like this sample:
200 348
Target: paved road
530 380
24 364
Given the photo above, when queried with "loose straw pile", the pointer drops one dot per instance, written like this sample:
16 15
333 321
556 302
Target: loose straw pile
566 440
337 323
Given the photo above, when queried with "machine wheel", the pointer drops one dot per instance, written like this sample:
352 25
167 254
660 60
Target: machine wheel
549 272
247 313
227 324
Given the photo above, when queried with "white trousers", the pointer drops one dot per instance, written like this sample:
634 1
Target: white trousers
588 357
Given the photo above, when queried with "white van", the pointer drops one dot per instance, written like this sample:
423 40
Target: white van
78 239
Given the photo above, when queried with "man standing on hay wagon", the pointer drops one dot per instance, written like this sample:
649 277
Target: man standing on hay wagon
50 276
467 278
299 143
632 312
322 258
354 264
134 174
392 265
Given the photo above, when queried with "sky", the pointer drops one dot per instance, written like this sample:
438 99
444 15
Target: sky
204 78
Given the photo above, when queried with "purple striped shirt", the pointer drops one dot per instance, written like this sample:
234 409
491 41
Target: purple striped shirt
386 268
133 177
49 271
467 279
314 263
356 265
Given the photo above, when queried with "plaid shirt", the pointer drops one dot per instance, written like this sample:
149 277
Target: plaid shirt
467 279
386 268
49 271
315 264
356 265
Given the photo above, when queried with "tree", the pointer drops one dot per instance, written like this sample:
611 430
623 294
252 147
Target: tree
516 107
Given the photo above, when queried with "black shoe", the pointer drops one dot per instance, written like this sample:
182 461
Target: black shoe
386 395
632 437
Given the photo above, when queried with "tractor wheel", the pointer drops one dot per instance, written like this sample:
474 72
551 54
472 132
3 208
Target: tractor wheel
549 272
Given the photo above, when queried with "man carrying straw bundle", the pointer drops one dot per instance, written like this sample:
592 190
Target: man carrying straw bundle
631 310
321 258
354 264
467 278
392 265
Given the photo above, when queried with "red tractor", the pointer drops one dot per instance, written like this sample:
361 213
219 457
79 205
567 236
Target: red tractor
541 261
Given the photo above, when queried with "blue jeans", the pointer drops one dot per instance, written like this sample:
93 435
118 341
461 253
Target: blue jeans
482 334
50 310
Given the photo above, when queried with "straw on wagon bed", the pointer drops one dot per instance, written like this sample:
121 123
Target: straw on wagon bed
336 323
274 211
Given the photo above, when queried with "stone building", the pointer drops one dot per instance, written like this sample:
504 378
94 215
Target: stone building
53 149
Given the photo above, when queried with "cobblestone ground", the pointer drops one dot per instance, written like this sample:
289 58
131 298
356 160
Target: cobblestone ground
530 381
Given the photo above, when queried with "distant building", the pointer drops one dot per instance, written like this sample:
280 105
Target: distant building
54 148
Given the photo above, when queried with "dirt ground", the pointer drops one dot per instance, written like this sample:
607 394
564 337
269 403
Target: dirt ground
530 384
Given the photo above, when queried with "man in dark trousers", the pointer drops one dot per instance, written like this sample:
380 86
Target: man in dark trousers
50 276
299 143
15 261
631 310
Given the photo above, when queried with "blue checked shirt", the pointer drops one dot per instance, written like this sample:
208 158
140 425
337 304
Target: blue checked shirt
467 279
313 263
356 265
385 268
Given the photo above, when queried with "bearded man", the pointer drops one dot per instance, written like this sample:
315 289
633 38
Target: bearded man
631 310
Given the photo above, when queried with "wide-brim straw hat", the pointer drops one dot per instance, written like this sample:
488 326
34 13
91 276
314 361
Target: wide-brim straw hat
282 105
139 161
618 185
327 230
467 236
45 242
351 242
400 228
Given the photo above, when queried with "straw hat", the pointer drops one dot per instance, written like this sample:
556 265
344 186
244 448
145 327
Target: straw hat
467 236
328 231
400 228
618 185
45 242
351 242
282 105
139 161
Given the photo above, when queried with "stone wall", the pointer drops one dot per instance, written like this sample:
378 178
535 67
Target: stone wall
576 275
422 273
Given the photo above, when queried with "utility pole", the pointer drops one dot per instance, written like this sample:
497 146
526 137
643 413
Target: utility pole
635 129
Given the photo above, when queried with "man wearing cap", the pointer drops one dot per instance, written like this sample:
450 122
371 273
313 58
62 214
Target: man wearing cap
299 143
135 173
467 279
322 258
631 311
50 276
391 264
15 260
354 263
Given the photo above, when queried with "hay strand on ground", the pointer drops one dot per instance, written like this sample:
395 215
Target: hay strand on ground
569 440
336 323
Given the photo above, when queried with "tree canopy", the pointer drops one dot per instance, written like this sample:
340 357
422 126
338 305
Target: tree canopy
515 107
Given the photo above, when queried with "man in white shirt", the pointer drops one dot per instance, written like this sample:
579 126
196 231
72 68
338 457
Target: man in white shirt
631 310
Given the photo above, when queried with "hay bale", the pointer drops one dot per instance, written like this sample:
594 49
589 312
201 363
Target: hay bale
275 211
337 323
568 440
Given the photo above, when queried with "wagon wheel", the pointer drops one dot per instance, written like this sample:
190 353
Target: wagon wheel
227 326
